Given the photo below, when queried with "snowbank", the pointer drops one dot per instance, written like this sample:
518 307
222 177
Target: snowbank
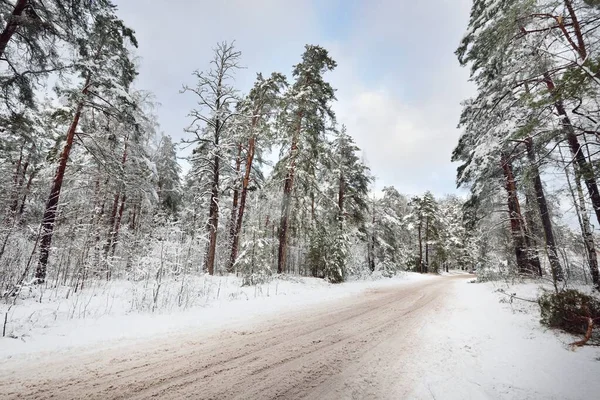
484 347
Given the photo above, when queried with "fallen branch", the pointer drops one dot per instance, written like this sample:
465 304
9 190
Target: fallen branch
588 334
514 296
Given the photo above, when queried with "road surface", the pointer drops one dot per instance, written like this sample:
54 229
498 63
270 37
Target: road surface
357 348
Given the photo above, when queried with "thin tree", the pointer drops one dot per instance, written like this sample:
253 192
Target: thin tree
557 271
216 99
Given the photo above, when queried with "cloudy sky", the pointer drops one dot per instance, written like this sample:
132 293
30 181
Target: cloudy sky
398 83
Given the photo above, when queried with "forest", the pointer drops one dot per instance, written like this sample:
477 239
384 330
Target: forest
95 191
274 183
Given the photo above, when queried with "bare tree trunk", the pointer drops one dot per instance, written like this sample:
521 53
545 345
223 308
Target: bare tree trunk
112 223
12 25
427 245
15 204
287 199
532 230
49 217
242 207
580 46
371 243
557 271
421 270
26 192
118 225
10 212
584 223
341 198
213 218
585 168
518 230
234 210
588 236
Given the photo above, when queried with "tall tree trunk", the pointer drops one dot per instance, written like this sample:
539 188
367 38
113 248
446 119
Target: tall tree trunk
341 198
118 225
213 212
517 226
580 46
242 206
585 168
371 242
533 231
12 25
234 210
112 223
588 236
584 223
427 245
557 271
287 199
15 204
14 196
420 246
26 192
133 216
213 220
49 217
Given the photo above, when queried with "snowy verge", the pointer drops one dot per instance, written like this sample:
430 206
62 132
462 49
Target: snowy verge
122 312
483 347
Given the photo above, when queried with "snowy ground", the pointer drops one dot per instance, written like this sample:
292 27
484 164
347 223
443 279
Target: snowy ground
120 311
482 347
417 337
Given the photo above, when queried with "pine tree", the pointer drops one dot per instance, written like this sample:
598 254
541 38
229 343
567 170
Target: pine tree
307 109
105 66
168 171
257 109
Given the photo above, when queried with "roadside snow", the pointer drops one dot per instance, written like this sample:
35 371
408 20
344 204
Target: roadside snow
482 347
122 312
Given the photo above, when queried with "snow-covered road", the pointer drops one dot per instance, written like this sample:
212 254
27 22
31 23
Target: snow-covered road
439 338
351 348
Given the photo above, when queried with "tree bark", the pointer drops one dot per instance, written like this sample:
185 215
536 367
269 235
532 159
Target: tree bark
427 245
517 226
111 223
213 220
588 236
113 228
371 242
557 271
26 192
234 210
585 168
118 225
420 247
341 198
532 232
213 210
12 25
287 199
244 194
50 211
15 205
580 47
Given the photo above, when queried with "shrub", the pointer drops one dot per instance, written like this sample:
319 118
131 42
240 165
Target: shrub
568 310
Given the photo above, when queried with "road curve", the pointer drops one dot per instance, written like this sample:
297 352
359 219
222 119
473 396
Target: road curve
356 348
